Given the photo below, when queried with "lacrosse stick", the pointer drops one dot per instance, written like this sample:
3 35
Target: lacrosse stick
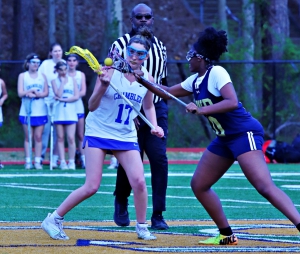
94 64
51 111
27 104
120 64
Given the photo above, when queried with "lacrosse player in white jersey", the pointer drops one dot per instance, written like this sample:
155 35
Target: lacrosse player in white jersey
3 97
65 114
79 76
33 88
110 127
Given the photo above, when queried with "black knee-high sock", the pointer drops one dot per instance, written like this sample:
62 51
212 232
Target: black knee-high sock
298 226
226 231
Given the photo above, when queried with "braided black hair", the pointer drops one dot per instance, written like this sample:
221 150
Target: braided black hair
211 43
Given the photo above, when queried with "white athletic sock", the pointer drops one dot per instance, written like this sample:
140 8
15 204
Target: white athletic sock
71 161
27 159
55 157
56 215
37 159
83 158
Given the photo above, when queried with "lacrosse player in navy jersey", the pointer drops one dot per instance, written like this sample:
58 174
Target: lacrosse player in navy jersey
239 135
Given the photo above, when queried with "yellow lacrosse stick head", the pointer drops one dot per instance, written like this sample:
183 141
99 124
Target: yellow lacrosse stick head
88 56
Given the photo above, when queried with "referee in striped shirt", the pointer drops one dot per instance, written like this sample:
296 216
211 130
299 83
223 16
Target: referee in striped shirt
154 147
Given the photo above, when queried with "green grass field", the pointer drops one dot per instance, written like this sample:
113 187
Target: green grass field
30 195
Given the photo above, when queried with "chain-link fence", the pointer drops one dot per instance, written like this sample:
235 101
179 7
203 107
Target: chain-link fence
268 89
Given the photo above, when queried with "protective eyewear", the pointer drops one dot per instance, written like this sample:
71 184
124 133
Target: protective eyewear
190 54
146 16
140 53
62 69
35 62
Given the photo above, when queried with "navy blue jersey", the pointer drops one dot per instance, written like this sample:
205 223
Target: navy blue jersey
224 124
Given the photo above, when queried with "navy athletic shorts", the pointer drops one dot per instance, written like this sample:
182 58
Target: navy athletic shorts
232 147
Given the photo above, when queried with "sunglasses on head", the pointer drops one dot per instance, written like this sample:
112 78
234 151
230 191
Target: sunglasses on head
72 60
140 53
141 16
190 54
35 61
62 69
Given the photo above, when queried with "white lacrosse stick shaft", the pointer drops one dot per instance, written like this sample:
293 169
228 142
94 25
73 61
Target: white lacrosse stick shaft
28 102
51 111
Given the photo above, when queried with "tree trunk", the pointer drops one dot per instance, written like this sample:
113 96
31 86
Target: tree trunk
248 32
71 25
51 21
24 29
222 15
119 16
275 22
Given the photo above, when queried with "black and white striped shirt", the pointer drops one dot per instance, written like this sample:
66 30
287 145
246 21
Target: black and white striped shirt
156 64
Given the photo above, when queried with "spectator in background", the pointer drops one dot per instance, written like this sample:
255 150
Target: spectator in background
33 88
153 146
72 61
65 117
113 163
3 97
47 68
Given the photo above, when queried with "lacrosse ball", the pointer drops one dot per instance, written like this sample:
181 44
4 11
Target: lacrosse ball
108 61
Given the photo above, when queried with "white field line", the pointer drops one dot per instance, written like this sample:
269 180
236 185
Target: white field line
82 175
110 193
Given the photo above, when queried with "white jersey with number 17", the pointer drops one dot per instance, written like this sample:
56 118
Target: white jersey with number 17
113 119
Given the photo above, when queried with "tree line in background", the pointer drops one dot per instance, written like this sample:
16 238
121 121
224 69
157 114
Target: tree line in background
262 32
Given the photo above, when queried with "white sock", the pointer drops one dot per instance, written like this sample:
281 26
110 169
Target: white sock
27 159
83 158
71 161
55 157
62 162
56 215
38 159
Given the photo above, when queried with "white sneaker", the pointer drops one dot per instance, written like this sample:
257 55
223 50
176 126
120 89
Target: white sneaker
28 165
63 165
38 165
113 163
54 228
54 164
54 161
71 165
143 232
